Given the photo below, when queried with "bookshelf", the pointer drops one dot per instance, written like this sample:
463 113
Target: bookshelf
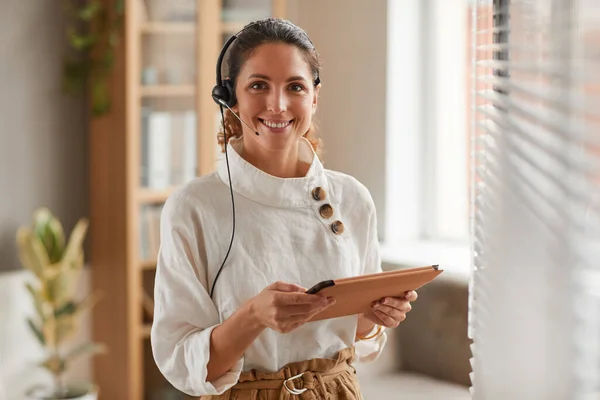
167 91
126 191
167 28
149 196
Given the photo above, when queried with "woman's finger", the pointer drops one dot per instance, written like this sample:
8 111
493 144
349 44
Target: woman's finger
397 314
293 321
386 320
411 295
397 303
286 287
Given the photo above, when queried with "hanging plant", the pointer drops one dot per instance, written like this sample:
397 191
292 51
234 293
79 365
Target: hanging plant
93 35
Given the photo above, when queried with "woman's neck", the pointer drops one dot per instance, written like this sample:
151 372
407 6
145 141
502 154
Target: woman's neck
282 164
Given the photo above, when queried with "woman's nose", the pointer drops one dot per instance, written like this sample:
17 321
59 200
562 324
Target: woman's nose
277 102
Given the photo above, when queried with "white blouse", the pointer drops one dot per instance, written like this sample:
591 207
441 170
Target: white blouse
280 235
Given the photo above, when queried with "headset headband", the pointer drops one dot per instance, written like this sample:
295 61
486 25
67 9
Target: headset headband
233 37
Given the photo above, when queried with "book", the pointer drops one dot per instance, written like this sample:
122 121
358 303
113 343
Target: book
178 149
190 153
146 111
159 138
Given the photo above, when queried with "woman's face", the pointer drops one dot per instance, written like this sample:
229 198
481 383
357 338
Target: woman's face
275 94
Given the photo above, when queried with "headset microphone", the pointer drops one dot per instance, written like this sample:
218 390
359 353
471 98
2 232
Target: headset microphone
221 102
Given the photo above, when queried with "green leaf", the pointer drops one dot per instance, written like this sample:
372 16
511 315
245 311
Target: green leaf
60 287
74 75
75 244
81 42
65 327
43 231
100 99
90 10
119 7
69 308
50 232
37 300
36 331
32 252
73 309
59 240
41 216
55 365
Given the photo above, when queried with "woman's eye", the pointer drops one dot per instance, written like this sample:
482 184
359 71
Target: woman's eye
257 86
297 88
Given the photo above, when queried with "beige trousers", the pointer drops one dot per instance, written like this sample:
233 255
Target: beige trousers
316 379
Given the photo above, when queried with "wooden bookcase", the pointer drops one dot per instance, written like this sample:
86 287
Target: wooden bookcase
119 271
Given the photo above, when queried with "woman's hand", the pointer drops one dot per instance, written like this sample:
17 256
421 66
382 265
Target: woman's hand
284 307
390 311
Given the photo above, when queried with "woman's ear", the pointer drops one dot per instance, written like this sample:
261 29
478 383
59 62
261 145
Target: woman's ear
316 98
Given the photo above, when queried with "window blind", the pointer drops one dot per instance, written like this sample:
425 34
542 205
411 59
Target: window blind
534 314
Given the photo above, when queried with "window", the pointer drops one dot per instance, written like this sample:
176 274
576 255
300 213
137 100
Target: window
428 130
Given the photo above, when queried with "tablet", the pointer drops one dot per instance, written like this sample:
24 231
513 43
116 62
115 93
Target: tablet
356 294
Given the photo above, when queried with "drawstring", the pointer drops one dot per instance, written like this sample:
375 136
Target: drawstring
326 395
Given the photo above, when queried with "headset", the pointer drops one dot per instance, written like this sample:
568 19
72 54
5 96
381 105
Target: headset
223 93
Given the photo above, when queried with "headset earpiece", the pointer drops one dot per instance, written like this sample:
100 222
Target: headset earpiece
224 93
220 94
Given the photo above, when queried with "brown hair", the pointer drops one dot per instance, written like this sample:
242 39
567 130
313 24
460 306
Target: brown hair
270 30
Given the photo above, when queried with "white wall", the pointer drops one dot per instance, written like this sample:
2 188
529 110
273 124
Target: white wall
350 36
43 137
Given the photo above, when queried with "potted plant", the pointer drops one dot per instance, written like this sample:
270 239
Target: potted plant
56 266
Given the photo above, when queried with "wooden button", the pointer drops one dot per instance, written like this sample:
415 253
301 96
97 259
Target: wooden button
318 193
337 227
326 211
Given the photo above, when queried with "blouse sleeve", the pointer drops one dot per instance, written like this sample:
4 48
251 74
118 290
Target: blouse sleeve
184 313
369 350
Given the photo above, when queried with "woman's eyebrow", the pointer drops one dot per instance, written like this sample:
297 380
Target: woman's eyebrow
265 77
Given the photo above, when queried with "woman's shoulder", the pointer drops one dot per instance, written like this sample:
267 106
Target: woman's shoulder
195 194
346 187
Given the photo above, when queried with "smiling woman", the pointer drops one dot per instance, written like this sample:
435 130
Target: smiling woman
241 325
274 91
275 94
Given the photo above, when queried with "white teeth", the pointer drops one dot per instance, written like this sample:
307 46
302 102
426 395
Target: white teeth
276 125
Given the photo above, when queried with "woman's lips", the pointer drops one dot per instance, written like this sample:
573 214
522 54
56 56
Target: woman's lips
276 126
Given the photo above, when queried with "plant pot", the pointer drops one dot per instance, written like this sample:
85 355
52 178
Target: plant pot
90 392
